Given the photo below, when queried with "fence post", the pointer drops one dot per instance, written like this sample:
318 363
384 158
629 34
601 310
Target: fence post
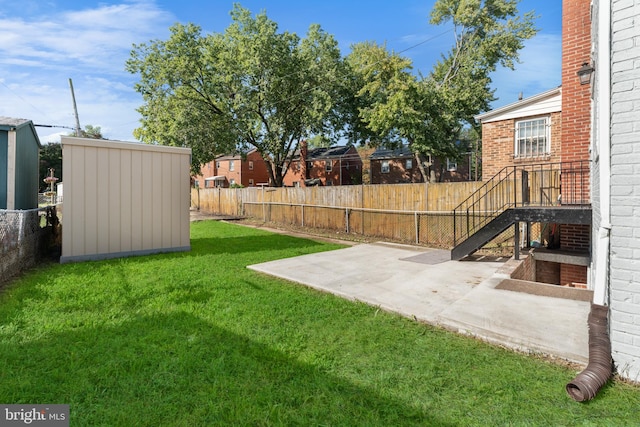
302 219
346 219
417 223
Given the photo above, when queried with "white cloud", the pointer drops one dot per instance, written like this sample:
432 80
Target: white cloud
38 54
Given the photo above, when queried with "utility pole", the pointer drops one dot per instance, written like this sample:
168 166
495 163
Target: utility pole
75 109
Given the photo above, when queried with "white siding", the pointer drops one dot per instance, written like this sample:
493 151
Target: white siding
123 199
538 105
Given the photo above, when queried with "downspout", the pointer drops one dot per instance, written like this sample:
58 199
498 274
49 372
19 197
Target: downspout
587 384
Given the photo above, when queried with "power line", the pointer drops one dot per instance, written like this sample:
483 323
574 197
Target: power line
54 126
24 100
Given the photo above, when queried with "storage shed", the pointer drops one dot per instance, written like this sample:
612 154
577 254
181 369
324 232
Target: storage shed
19 162
123 199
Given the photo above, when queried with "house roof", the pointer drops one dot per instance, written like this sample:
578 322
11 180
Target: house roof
11 123
397 153
236 156
321 153
542 103
327 152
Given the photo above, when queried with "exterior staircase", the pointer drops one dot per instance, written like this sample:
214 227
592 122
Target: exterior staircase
544 193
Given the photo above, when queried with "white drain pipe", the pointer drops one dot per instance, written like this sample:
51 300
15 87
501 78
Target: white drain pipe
603 147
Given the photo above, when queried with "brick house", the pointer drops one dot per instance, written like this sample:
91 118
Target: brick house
248 171
537 149
524 132
393 166
340 165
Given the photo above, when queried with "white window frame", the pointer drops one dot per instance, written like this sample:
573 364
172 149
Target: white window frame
452 165
408 164
532 138
384 166
328 165
232 166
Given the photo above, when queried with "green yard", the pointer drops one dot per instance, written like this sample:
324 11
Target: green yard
197 339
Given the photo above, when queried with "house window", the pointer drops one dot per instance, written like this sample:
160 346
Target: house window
385 166
328 165
452 165
532 138
217 165
408 164
250 165
232 166
232 182
251 182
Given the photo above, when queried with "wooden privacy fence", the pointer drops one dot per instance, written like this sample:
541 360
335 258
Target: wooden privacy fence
412 213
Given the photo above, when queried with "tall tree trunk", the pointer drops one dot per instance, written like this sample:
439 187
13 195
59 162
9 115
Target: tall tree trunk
421 160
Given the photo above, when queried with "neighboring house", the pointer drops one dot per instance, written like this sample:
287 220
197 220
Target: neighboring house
544 141
524 132
19 164
225 171
393 166
615 154
324 166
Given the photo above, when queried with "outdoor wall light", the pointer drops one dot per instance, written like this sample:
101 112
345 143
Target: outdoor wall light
584 73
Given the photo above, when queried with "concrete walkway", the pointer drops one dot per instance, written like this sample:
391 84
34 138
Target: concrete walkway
461 296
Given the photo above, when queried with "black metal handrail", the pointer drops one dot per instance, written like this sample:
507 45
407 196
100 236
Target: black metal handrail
534 185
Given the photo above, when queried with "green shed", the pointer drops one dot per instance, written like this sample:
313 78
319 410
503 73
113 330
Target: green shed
19 163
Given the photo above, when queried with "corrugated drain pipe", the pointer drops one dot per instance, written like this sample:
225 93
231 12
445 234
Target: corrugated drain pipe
588 382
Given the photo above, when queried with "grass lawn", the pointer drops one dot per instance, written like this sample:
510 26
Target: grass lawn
197 339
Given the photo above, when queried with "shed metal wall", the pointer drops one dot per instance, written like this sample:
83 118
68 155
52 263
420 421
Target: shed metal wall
4 158
123 199
27 164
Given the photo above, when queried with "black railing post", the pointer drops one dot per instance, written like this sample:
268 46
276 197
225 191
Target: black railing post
455 231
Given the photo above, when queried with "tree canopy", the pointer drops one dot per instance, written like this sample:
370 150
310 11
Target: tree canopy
430 112
248 87
253 87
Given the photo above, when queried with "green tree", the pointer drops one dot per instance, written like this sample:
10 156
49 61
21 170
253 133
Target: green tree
429 112
250 86
90 131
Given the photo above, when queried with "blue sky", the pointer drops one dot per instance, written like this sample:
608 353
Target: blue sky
43 43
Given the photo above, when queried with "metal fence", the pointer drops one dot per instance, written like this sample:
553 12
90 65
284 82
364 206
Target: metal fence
25 237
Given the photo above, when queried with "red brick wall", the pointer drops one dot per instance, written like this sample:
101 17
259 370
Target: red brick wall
576 104
548 272
259 174
397 172
573 275
526 270
498 145
575 237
